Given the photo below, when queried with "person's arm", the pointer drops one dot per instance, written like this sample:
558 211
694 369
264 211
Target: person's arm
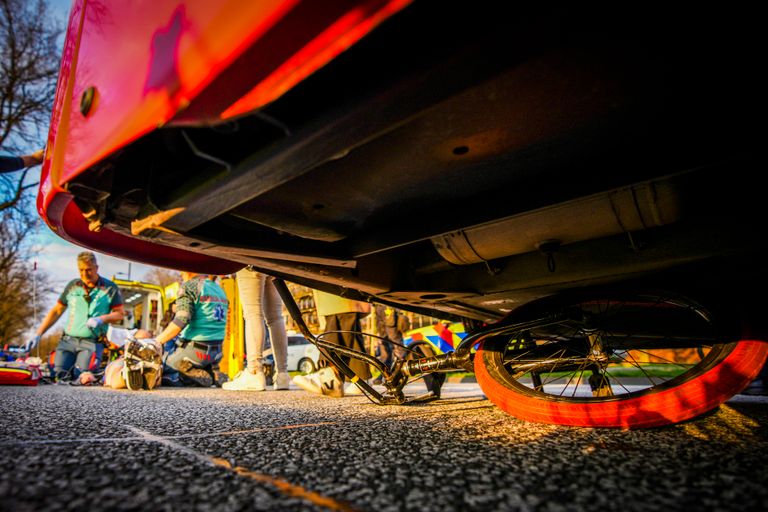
10 163
16 163
170 332
51 317
35 158
48 321
185 307
115 316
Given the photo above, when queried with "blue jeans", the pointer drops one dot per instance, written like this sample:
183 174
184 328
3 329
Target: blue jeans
75 355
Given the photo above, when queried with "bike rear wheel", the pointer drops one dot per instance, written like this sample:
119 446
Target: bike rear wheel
629 361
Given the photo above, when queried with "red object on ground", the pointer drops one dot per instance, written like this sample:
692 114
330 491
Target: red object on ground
676 404
19 374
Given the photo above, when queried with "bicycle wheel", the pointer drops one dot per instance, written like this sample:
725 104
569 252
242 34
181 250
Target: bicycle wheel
631 361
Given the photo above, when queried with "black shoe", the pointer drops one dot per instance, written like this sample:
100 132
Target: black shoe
220 378
434 383
171 383
196 377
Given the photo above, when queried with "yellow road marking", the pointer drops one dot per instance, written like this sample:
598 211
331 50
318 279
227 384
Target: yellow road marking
286 487
283 486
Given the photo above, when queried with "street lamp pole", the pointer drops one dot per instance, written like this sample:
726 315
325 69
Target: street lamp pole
34 300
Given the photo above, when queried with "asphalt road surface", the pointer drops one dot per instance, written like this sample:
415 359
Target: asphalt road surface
74 448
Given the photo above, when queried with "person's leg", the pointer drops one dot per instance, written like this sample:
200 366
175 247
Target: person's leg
328 380
88 357
212 358
385 356
331 324
64 359
386 352
398 351
346 322
351 338
170 374
191 361
273 313
250 287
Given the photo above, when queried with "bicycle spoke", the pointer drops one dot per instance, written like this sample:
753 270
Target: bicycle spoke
606 349
639 366
668 361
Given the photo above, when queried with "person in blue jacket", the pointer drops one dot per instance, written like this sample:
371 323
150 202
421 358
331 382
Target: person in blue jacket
200 323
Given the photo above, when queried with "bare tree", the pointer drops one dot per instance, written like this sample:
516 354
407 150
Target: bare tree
29 65
162 276
22 287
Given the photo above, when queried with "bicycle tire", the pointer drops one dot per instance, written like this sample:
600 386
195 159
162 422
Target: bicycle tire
726 369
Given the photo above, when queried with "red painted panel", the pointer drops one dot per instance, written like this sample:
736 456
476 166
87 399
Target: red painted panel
151 62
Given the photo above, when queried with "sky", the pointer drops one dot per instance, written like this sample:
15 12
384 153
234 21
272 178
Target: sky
60 9
58 257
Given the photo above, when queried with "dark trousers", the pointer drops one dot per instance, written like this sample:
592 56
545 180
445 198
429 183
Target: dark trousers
354 340
185 354
75 355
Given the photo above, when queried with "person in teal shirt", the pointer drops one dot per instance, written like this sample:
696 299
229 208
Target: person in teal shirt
199 325
93 302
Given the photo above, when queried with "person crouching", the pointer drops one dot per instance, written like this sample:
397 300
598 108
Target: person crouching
200 324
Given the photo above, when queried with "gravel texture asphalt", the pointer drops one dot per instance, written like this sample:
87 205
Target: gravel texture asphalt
76 448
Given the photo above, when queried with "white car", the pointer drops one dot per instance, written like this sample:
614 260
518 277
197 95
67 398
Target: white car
302 355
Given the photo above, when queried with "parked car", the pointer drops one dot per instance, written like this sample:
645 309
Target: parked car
302 355
535 164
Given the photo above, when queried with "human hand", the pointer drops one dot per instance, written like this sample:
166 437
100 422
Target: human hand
35 158
94 323
32 343
87 378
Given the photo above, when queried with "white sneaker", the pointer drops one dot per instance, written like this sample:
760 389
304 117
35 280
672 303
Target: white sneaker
354 389
281 381
323 382
246 381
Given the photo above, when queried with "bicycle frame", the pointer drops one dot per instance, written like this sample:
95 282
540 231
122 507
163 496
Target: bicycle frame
397 376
